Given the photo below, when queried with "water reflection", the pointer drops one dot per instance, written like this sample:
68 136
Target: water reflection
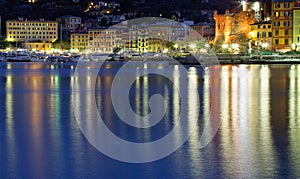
245 131
294 117
10 130
257 104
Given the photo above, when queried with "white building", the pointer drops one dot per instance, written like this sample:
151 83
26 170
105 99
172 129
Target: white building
69 23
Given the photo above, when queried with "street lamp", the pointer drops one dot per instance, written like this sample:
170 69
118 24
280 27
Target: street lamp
176 46
235 46
264 45
225 46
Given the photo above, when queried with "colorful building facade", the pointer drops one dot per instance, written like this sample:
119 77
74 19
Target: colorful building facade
79 41
282 21
261 35
31 31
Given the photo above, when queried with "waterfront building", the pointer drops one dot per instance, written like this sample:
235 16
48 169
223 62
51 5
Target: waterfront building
296 28
122 37
206 30
282 21
102 40
261 35
161 35
233 27
79 41
69 23
31 33
139 36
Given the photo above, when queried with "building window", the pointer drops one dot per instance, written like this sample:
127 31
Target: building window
276 41
270 34
286 41
286 23
264 34
276 24
276 32
277 5
276 14
286 14
286 5
286 32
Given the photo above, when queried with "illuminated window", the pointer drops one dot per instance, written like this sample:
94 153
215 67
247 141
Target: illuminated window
277 24
286 5
286 23
286 14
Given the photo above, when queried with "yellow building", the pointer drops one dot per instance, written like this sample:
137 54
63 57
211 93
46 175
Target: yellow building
162 33
296 29
79 41
39 46
139 38
261 35
25 31
282 21
33 35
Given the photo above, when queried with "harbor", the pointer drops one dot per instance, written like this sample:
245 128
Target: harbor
23 55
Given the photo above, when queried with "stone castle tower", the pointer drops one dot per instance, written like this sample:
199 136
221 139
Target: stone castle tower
233 27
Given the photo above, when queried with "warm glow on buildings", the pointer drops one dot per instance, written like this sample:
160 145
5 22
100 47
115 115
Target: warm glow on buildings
102 40
233 27
296 28
31 31
79 41
261 34
282 20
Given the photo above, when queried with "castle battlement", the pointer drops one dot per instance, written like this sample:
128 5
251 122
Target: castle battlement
233 27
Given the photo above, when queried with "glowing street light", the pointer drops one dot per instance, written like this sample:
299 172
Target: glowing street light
225 46
294 46
235 46
264 45
176 46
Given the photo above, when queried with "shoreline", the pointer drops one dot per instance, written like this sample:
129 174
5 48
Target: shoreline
237 59
202 60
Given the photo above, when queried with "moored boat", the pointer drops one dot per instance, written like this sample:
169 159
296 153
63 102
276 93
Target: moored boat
19 55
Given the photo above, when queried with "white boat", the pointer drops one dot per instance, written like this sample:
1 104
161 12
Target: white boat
20 55
2 56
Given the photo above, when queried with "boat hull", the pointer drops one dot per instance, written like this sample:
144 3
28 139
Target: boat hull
16 60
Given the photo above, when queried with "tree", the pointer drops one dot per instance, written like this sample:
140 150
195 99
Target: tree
103 22
117 50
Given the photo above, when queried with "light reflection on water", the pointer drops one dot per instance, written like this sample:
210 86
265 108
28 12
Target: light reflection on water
258 137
